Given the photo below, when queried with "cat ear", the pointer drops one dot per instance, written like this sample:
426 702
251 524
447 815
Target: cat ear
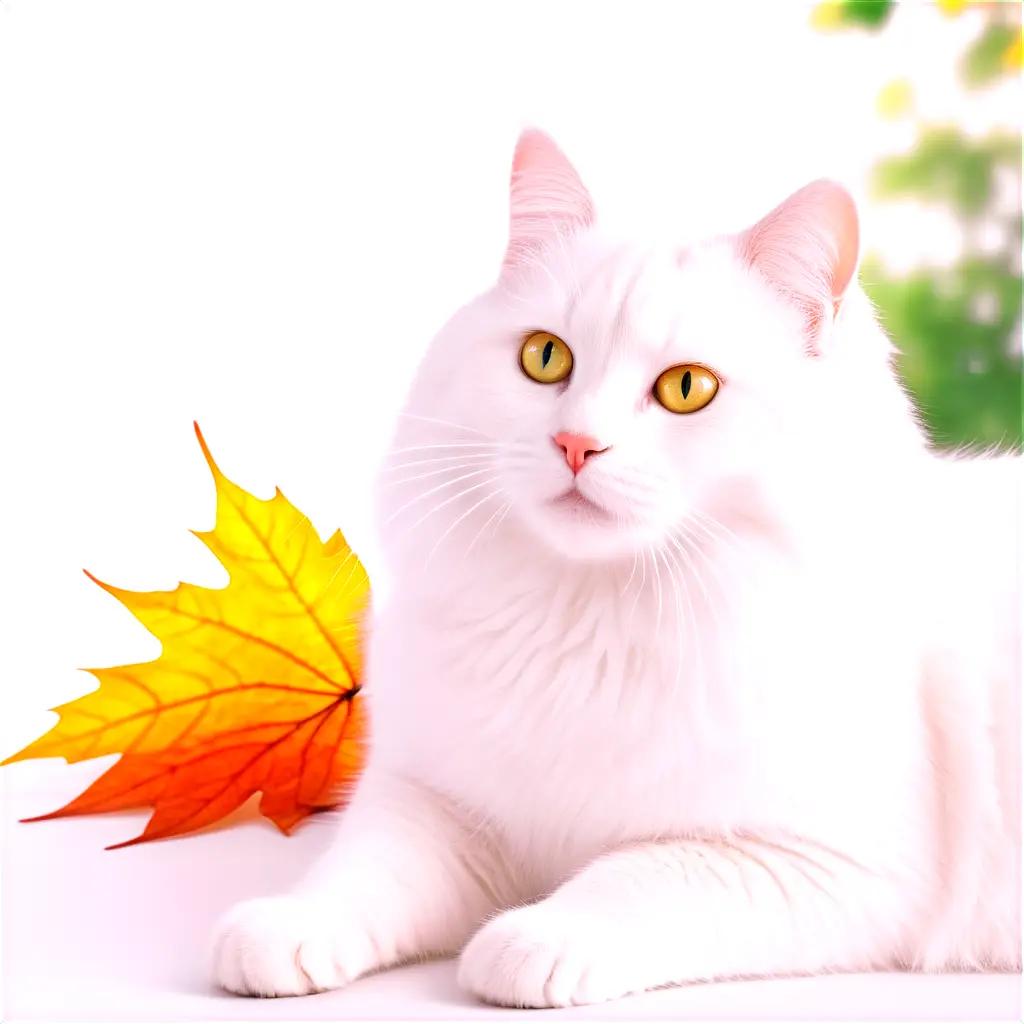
547 198
807 248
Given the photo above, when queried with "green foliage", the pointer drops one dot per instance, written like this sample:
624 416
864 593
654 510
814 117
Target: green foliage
958 327
866 13
983 62
955 331
948 167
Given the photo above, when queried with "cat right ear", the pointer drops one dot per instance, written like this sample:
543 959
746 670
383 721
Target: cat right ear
807 249
547 198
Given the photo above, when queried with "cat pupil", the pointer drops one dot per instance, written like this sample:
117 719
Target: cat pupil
686 384
546 357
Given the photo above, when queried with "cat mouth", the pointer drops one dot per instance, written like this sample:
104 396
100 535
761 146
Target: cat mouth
575 503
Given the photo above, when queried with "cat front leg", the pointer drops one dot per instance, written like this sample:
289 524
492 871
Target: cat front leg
402 879
671 912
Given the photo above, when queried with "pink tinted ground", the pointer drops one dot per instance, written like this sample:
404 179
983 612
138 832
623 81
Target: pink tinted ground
111 936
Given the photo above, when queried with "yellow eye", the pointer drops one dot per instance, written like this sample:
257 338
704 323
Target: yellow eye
545 358
686 388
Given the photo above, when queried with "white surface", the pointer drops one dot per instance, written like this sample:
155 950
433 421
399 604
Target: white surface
118 935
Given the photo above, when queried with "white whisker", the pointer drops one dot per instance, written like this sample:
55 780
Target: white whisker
709 522
657 575
433 490
680 621
699 681
455 522
640 588
632 573
677 540
398 481
448 501
487 446
472 457
700 689
501 510
444 423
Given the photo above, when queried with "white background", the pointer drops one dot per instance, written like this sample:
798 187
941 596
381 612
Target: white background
256 215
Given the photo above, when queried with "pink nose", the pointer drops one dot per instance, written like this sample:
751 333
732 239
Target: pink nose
577 448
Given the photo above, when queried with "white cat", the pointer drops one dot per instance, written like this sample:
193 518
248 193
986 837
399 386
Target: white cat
694 674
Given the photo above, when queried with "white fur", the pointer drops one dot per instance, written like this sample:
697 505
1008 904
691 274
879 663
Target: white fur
762 719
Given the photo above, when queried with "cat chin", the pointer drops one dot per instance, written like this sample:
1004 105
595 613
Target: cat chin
579 530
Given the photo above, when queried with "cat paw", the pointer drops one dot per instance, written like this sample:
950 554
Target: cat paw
279 946
543 956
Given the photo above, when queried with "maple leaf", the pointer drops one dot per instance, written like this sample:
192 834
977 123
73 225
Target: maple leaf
254 690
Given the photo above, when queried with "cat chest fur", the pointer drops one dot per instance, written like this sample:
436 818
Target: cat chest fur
573 717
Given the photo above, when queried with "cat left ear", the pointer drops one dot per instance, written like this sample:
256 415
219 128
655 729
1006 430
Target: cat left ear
807 249
547 198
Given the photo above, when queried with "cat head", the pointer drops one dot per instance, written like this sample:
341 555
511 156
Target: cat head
605 396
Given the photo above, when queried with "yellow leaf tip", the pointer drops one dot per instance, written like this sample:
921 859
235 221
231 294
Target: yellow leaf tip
108 587
214 468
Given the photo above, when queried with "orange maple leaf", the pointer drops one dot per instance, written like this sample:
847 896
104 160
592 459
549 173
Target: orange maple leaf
255 688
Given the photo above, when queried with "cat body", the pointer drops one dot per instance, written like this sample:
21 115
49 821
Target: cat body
733 693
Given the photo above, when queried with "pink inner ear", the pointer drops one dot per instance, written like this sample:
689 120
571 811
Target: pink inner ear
807 248
547 197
